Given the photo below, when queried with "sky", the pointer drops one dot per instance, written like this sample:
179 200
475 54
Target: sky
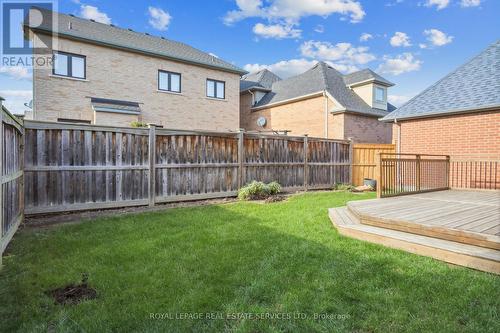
411 43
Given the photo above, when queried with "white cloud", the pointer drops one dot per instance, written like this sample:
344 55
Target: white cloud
365 37
158 18
15 99
287 68
422 45
398 100
400 39
440 4
276 31
17 72
16 93
319 29
92 13
437 38
292 10
400 64
470 3
341 53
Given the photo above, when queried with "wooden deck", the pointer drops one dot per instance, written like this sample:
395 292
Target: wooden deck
461 225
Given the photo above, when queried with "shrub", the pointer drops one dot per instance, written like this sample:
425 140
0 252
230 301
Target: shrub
258 190
343 187
138 124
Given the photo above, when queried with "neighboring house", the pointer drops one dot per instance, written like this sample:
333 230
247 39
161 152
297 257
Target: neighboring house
107 75
459 115
320 102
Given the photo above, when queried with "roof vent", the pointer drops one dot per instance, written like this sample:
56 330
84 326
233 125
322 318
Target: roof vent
111 25
147 34
71 15
92 20
163 37
130 29
70 25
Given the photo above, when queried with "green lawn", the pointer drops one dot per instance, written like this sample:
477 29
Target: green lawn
239 262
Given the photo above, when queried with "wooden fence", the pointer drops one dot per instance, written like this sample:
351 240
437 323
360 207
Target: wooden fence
401 174
72 167
365 160
11 166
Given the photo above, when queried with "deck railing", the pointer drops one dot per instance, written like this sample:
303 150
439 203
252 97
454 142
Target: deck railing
475 174
401 174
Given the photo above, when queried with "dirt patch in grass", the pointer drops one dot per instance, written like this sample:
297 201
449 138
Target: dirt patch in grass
73 293
275 198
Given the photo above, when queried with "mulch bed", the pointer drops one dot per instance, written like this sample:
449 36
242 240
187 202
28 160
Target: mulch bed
73 294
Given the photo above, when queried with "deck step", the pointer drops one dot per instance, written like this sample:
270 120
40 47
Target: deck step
476 257
409 225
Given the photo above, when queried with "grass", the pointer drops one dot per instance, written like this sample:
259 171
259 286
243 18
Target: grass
237 261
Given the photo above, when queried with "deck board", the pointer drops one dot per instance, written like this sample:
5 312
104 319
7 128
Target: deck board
466 216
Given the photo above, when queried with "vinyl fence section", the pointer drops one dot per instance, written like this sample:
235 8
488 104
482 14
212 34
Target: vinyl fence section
72 167
11 166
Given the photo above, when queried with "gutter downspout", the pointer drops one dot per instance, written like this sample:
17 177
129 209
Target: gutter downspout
326 114
253 97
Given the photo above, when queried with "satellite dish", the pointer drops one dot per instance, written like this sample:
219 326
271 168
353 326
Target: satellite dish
261 122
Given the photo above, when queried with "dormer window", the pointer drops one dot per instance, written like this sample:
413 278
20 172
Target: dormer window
379 95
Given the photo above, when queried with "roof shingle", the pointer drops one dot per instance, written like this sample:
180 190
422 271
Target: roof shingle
74 27
321 77
473 86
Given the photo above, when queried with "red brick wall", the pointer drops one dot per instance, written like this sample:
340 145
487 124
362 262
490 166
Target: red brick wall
474 135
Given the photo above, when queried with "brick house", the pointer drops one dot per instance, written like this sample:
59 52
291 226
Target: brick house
459 115
105 75
320 102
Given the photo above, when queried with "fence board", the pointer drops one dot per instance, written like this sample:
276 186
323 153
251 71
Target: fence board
75 167
365 160
69 167
11 175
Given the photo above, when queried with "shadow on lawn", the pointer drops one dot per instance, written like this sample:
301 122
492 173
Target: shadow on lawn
236 259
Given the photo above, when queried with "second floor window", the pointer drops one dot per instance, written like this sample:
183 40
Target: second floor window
379 94
216 89
169 81
70 65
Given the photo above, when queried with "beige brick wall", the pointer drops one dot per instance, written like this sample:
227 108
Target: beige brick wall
308 117
473 135
122 75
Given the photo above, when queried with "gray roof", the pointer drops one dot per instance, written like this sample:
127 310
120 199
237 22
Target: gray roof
112 36
471 87
365 75
321 77
262 79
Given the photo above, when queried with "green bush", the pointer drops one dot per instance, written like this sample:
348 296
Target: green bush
343 187
138 124
258 190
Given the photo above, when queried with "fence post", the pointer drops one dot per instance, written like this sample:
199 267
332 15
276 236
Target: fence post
351 160
306 162
448 172
152 163
241 150
379 175
417 167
